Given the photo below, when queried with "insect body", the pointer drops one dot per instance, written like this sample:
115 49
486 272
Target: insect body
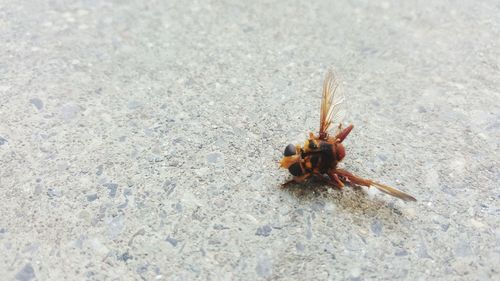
321 153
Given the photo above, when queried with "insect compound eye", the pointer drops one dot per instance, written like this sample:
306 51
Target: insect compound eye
312 145
295 169
290 150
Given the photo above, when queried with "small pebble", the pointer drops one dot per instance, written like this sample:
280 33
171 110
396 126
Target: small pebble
37 103
264 230
26 273
112 187
172 241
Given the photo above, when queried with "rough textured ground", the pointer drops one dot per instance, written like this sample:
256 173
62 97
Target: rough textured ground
140 140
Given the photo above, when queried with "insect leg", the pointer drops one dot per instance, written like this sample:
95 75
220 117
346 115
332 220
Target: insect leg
335 178
329 182
343 134
349 177
300 179
287 183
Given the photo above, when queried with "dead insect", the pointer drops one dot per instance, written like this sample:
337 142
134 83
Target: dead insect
321 153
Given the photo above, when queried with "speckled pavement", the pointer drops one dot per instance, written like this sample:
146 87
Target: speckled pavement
140 140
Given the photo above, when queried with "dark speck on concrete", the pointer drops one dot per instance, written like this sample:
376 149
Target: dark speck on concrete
26 273
125 257
220 227
37 103
264 230
2 141
172 241
111 188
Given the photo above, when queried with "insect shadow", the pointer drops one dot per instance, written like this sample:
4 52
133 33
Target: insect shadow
353 200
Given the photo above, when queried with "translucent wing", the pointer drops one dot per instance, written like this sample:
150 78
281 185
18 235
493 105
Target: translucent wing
332 105
394 192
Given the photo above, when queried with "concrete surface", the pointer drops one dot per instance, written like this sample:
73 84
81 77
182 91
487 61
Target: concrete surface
141 140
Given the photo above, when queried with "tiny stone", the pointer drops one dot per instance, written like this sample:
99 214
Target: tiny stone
53 193
125 257
376 227
214 157
422 251
134 104
382 157
173 163
401 252
99 170
37 103
299 247
124 205
26 274
220 227
445 226
463 249
264 230
38 189
2 141
111 188
169 187
116 227
172 241
264 267
69 111
141 269
178 207
91 197
309 229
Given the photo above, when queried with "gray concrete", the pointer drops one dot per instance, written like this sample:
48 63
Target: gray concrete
141 141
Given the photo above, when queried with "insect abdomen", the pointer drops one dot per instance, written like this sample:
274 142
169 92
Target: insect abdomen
327 154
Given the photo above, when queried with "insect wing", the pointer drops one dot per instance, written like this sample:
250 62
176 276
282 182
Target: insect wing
333 107
394 192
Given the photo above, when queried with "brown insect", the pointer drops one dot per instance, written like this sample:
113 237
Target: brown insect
321 153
